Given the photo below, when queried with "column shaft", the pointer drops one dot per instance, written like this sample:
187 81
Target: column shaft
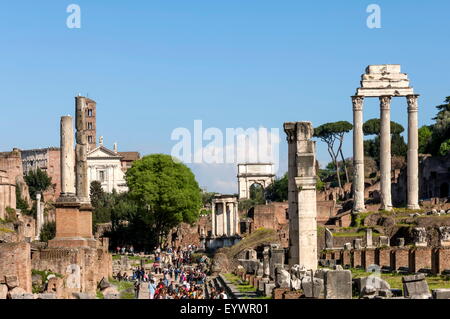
213 219
67 156
385 152
358 154
413 153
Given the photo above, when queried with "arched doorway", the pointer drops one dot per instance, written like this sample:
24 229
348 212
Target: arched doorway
257 193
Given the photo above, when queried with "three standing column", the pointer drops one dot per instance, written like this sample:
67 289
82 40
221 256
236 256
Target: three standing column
413 152
385 153
358 154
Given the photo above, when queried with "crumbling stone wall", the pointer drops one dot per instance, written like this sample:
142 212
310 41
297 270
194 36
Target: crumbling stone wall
15 260
11 163
272 216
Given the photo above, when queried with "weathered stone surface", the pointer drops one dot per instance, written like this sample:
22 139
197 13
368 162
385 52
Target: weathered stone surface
384 241
282 277
103 284
268 289
441 293
328 239
357 243
338 284
372 286
416 287
12 282
17 293
46 296
420 236
82 295
3 291
312 288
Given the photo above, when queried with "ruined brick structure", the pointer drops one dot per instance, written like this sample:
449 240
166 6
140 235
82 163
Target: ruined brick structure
47 160
11 163
7 194
15 260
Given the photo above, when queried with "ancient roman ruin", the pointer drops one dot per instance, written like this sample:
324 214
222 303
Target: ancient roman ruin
306 246
385 82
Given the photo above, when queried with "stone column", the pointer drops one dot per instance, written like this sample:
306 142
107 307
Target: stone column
230 219
67 157
236 217
413 153
302 199
213 219
82 183
266 262
358 155
385 152
39 215
224 217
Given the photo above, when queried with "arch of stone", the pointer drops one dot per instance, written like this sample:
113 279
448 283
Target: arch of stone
385 82
254 173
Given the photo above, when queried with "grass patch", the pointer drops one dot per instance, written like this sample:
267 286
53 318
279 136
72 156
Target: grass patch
242 286
259 237
395 280
6 230
125 288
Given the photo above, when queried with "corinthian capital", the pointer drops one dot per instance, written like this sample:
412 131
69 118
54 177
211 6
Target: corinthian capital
412 102
291 132
385 102
358 102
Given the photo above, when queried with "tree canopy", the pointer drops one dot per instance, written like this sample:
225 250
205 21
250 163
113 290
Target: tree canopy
37 181
333 135
278 190
373 127
165 191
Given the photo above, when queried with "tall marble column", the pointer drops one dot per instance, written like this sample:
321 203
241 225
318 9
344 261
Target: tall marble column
385 152
358 154
67 157
39 216
224 215
81 149
413 153
213 219
302 195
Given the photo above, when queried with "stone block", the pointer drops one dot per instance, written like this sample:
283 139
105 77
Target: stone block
312 288
441 293
3 291
279 292
338 284
12 282
83 295
416 287
46 296
292 295
268 289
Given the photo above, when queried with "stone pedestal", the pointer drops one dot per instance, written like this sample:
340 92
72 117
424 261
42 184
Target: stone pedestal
73 224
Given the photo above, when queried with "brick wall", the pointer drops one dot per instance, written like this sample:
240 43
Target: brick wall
15 260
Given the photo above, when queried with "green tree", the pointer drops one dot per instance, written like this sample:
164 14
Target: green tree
48 231
425 136
37 181
333 135
166 193
20 202
444 148
441 128
372 147
278 190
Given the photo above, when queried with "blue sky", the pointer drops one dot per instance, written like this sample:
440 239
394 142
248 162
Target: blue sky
153 66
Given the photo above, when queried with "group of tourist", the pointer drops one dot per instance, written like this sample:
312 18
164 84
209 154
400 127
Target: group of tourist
174 275
125 250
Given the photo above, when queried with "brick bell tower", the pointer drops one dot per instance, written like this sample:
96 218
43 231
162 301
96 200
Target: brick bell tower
91 123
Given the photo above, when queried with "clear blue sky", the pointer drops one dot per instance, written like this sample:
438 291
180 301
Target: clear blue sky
156 65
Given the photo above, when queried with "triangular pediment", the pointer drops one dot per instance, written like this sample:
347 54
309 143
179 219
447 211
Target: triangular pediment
102 152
